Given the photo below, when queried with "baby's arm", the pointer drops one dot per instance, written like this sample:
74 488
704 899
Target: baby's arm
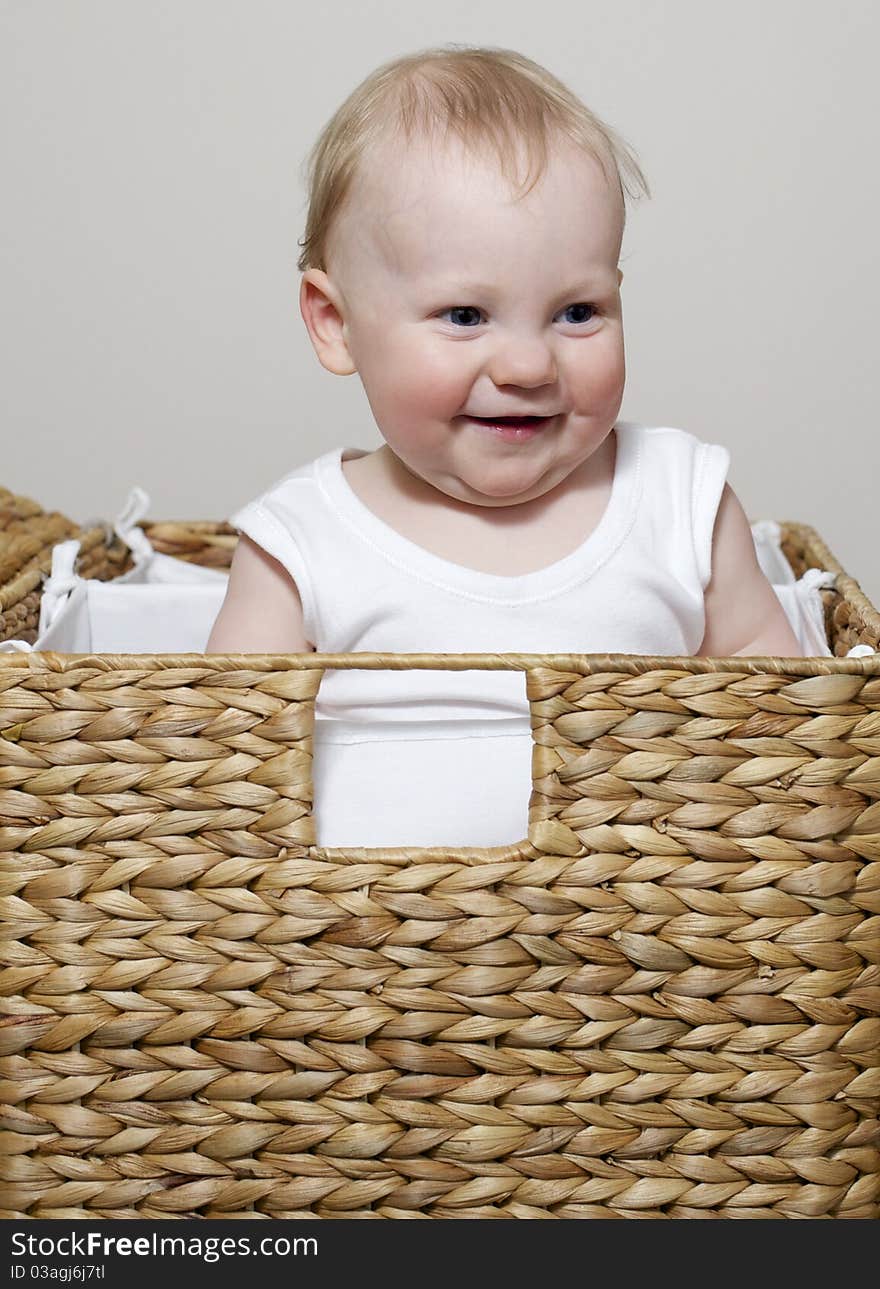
262 611
743 612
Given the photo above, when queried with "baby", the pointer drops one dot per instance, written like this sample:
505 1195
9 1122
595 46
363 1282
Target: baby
461 255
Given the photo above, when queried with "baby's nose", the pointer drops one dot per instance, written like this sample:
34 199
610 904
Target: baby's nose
526 361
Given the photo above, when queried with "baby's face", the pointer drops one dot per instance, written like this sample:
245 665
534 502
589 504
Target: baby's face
465 305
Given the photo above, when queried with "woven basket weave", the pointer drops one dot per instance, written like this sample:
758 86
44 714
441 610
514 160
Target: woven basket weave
27 536
664 1003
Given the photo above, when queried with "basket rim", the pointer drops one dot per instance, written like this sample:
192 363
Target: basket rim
576 663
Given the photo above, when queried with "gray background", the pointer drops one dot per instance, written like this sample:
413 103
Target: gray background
152 156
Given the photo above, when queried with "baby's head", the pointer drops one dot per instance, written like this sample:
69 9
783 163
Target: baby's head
461 255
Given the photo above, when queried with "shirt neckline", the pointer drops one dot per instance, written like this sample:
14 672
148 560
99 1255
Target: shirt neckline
613 526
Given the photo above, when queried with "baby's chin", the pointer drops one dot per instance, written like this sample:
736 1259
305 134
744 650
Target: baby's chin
500 484
493 484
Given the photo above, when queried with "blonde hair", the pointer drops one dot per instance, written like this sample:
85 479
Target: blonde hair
492 98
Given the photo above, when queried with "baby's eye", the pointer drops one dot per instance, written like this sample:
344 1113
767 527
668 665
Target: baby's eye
579 313
463 315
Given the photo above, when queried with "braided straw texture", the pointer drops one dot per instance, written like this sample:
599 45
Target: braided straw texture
27 536
200 542
664 1003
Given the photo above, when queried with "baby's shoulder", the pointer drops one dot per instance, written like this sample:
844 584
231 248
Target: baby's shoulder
307 473
295 502
302 487
669 438
671 451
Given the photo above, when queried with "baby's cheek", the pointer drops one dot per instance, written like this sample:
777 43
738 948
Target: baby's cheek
429 382
602 378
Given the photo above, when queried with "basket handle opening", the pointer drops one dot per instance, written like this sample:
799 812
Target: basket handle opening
545 834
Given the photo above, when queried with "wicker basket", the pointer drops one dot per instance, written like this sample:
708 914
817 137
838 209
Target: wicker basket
27 535
664 1003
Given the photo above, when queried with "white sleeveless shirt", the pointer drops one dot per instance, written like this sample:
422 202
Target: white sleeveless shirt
434 757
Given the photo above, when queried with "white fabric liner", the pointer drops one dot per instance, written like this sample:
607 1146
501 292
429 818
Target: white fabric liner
161 605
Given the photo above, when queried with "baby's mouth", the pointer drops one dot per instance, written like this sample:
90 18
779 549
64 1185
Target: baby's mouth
512 422
514 429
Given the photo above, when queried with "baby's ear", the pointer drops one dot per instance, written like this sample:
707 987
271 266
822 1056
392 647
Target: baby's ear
321 306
